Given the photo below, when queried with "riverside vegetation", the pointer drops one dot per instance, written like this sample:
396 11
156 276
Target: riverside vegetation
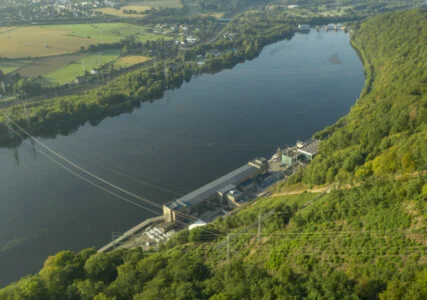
362 242
168 69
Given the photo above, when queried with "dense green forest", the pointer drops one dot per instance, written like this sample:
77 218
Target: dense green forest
385 133
364 242
242 38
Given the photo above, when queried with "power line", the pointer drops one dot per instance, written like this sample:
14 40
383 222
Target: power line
87 180
188 217
120 173
82 169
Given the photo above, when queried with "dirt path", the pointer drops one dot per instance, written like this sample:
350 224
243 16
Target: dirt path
325 189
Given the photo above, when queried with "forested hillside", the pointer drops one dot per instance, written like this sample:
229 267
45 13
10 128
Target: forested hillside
365 241
385 133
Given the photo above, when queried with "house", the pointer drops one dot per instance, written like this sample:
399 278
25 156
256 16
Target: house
215 52
191 40
304 27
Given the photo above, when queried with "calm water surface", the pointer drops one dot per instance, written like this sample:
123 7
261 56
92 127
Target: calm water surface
169 147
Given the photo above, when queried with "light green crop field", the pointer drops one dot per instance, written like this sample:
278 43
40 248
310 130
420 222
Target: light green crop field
51 40
46 65
93 61
130 60
12 65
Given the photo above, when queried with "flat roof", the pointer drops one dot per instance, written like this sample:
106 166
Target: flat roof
310 148
235 193
233 178
226 189
290 153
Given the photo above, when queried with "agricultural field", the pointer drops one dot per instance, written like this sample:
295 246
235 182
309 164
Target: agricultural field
140 7
117 12
128 61
51 40
9 66
148 4
36 41
43 66
195 10
78 67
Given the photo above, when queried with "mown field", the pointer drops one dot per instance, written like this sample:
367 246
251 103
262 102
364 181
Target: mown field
8 66
140 7
128 61
43 66
36 41
118 12
144 5
44 41
78 67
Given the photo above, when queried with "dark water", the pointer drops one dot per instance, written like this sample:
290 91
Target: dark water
193 135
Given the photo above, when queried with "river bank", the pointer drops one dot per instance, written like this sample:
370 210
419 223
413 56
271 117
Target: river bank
168 147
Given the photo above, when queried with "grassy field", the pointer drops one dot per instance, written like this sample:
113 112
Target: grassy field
195 10
128 61
140 7
117 12
43 66
9 66
144 5
36 41
43 41
78 67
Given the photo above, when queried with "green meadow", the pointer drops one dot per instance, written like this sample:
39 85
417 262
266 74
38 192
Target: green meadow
87 63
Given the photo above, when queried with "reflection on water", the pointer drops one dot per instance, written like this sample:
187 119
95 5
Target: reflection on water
335 59
169 147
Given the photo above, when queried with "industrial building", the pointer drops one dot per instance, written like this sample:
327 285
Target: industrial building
289 157
213 193
308 148
303 150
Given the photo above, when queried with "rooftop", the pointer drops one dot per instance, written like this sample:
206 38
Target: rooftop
291 153
233 178
310 147
226 189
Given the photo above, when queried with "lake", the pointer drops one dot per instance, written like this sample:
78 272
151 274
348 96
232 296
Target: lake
210 126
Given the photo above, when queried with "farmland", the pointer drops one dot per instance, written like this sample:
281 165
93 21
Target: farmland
43 41
140 7
117 12
35 41
128 61
9 66
43 66
78 67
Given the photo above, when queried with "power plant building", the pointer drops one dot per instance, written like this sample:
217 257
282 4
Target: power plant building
213 191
